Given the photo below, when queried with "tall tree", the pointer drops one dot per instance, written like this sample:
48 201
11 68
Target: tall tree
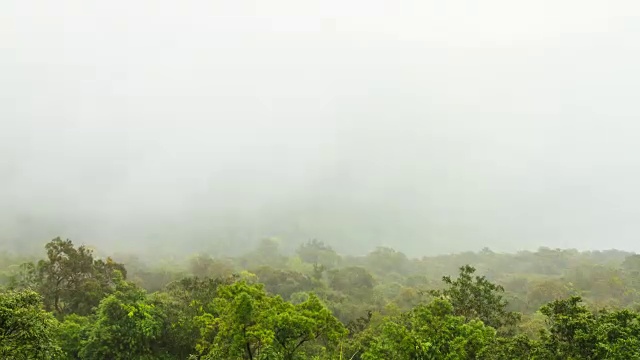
72 281
475 297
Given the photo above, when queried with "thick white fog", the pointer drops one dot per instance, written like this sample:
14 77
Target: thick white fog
428 126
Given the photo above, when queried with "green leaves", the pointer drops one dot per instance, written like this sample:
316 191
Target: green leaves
26 330
126 327
304 326
247 323
72 335
430 332
474 297
236 327
275 314
575 332
70 279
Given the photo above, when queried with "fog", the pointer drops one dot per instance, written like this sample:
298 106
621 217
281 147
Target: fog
427 126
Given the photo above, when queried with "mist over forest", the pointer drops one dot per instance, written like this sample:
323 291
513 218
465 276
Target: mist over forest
426 126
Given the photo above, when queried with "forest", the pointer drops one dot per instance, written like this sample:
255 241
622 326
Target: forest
315 303
323 180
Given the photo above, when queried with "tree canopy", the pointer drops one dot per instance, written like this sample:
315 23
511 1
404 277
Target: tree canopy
317 304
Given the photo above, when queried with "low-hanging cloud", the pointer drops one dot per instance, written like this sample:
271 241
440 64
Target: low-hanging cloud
425 126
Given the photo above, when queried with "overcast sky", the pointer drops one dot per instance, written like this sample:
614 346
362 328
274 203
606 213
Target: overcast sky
429 126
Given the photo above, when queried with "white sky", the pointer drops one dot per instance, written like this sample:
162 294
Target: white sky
425 125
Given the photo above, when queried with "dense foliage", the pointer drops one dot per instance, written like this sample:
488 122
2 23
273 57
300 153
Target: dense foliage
317 304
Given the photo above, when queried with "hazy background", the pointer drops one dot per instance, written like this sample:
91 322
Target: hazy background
428 126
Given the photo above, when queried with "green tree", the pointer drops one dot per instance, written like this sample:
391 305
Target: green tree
575 332
384 261
515 347
475 297
234 328
318 253
25 276
206 266
571 329
72 281
618 335
72 335
299 329
266 253
247 323
632 263
545 291
284 282
27 331
127 326
430 332
181 303
353 281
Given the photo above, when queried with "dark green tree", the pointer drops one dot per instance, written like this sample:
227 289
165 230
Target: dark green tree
575 332
72 281
181 303
618 335
571 332
475 297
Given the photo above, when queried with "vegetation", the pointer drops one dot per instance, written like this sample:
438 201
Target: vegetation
317 304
